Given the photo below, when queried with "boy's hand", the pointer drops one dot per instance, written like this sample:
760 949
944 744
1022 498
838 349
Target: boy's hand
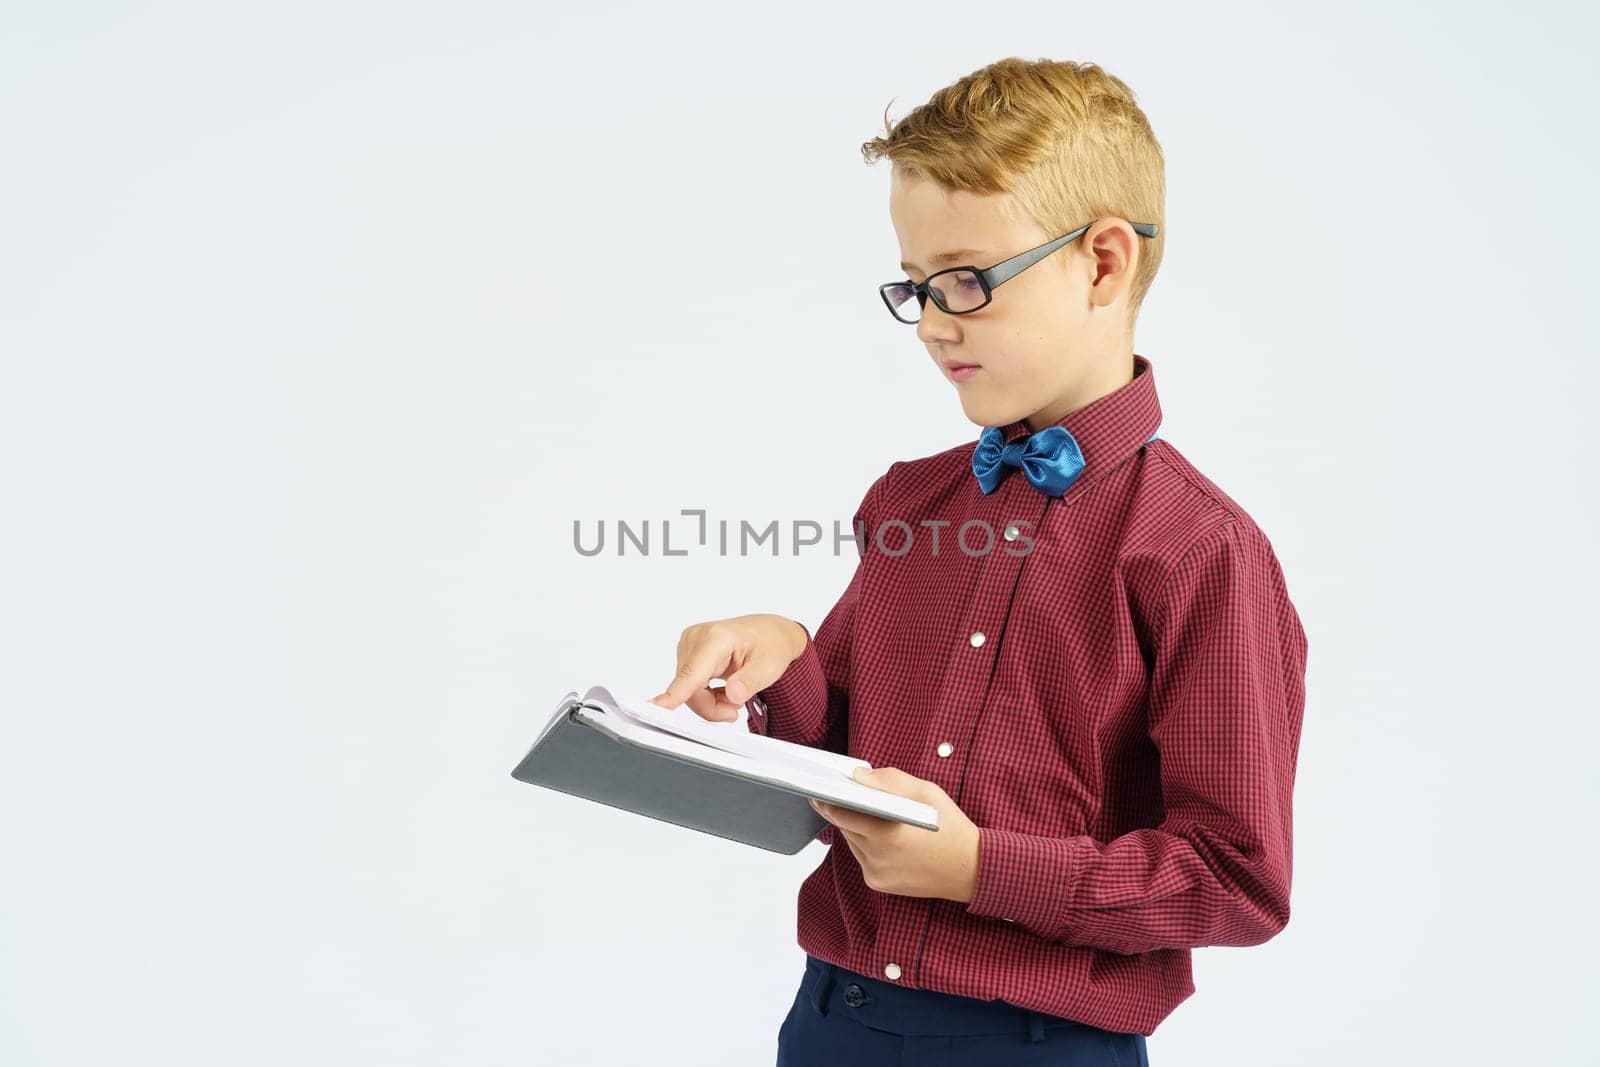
748 652
896 857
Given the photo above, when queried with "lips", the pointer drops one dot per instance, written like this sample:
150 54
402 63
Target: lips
952 365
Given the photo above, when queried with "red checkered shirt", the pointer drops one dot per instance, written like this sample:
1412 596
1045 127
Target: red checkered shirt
1108 683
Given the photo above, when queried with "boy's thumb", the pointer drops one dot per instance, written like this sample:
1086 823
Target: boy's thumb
735 689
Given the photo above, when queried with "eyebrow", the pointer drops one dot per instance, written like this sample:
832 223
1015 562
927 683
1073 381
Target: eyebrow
946 257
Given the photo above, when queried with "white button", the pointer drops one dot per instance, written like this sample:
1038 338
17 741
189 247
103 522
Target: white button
892 970
1011 920
758 705
945 748
976 638
1012 532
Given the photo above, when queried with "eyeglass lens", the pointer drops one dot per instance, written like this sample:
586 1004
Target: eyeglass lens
957 291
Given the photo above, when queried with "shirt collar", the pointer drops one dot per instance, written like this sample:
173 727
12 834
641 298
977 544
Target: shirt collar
1110 428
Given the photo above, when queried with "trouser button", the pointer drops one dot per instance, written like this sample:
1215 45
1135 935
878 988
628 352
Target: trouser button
854 996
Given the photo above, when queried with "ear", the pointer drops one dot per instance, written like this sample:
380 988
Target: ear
1114 249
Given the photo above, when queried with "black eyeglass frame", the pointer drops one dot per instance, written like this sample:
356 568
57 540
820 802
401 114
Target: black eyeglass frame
993 277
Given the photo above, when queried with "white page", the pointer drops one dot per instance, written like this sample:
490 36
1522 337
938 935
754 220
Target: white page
730 736
826 786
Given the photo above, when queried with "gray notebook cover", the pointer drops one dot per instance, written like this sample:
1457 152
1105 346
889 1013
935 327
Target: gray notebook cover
577 755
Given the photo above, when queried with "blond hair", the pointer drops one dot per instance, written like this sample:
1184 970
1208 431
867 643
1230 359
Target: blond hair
1066 139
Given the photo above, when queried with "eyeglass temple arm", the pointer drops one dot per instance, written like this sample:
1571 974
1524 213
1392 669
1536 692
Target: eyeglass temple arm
1010 268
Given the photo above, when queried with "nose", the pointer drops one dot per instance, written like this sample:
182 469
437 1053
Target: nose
934 324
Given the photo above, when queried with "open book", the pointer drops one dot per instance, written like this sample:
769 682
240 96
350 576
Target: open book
716 777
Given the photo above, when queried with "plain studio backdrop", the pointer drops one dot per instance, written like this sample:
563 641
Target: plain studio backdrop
323 323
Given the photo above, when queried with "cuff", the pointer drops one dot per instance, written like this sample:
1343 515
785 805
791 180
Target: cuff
1022 878
755 715
795 706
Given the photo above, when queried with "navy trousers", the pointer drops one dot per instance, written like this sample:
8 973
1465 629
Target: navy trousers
843 1019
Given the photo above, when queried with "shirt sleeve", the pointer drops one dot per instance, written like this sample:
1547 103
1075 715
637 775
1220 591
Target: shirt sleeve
809 702
1227 692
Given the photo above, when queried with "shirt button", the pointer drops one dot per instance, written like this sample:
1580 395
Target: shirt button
1013 532
892 970
758 705
976 638
945 748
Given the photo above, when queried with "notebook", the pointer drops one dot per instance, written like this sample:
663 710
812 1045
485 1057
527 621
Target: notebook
714 777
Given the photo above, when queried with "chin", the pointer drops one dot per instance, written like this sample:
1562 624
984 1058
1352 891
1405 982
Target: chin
986 414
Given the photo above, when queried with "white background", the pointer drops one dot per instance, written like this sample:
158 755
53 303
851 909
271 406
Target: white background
322 323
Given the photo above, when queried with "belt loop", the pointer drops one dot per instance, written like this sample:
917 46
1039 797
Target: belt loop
1035 1026
824 986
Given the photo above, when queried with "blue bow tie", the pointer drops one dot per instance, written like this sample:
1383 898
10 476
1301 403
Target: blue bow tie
1050 458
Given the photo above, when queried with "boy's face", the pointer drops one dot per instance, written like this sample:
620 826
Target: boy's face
1053 338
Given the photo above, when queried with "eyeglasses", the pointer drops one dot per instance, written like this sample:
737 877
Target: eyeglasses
963 290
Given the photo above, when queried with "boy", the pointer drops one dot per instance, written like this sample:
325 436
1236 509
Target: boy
1062 635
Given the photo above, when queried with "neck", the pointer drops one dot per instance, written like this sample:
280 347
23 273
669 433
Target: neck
1110 376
